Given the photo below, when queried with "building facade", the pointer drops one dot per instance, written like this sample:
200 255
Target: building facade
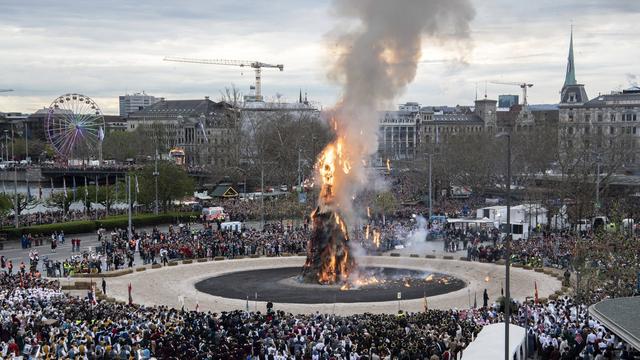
131 103
406 133
207 131
601 124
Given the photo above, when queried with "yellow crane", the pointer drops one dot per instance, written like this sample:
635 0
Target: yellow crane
256 65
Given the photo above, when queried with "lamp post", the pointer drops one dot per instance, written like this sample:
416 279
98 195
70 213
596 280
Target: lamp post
507 247
430 187
155 178
262 196
6 146
16 214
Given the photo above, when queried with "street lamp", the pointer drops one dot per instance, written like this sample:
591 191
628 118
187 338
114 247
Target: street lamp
6 145
155 177
507 246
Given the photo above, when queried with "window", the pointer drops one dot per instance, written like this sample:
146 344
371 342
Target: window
572 97
599 117
570 130
570 116
587 117
613 117
634 130
612 130
587 130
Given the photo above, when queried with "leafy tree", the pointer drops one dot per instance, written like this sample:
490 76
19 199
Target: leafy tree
385 203
36 147
60 200
607 264
123 145
173 184
6 204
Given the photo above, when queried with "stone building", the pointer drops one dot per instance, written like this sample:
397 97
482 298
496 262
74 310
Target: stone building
405 133
604 122
207 131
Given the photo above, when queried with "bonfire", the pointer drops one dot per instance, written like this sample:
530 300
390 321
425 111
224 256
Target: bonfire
329 258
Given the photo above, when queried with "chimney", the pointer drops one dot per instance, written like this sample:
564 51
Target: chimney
206 98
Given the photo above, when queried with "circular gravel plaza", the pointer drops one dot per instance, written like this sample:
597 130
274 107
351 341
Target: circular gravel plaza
233 284
283 285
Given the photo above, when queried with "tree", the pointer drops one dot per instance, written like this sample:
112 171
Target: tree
60 200
173 184
385 203
123 145
607 264
36 147
6 204
24 202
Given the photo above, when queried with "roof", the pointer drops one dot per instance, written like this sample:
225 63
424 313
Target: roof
543 107
182 107
114 119
489 344
570 77
225 191
621 316
622 99
457 118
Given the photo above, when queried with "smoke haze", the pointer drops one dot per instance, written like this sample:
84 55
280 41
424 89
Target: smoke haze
378 46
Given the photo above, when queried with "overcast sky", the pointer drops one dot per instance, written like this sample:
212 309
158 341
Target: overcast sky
108 48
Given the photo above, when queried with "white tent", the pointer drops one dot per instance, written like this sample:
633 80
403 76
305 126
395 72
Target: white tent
489 344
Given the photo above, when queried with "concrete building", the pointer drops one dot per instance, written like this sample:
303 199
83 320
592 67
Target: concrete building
599 123
405 133
131 103
114 123
507 101
207 131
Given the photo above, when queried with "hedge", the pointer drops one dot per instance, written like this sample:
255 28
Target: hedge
89 226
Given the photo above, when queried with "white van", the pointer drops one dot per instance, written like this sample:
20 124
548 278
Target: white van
231 226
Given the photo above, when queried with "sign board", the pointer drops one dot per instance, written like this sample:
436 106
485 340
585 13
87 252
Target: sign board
399 295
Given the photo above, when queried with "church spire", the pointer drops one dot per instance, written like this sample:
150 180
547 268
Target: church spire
570 77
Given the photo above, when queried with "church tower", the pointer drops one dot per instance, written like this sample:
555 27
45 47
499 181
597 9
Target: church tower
572 93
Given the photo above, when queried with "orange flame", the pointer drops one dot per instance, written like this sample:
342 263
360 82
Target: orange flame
376 238
332 157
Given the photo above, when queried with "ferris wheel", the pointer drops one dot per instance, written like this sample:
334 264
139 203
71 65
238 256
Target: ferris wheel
75 126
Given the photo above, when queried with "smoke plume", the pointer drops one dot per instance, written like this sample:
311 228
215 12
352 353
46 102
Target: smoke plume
377 49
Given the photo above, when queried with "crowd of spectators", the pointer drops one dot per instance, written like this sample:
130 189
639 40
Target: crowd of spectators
38 320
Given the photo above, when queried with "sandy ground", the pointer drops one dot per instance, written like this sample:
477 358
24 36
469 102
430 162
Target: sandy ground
168 285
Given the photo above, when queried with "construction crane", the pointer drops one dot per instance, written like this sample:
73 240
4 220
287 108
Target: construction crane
5 90
523 86
256 65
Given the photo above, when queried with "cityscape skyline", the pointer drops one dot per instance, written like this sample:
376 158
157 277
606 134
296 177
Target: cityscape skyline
110 55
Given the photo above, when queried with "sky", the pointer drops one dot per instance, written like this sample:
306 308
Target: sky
107 48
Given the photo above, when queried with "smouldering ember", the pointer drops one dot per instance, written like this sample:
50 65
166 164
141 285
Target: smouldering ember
376 279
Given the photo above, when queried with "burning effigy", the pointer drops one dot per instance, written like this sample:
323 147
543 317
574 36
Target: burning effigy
329 259
374 61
